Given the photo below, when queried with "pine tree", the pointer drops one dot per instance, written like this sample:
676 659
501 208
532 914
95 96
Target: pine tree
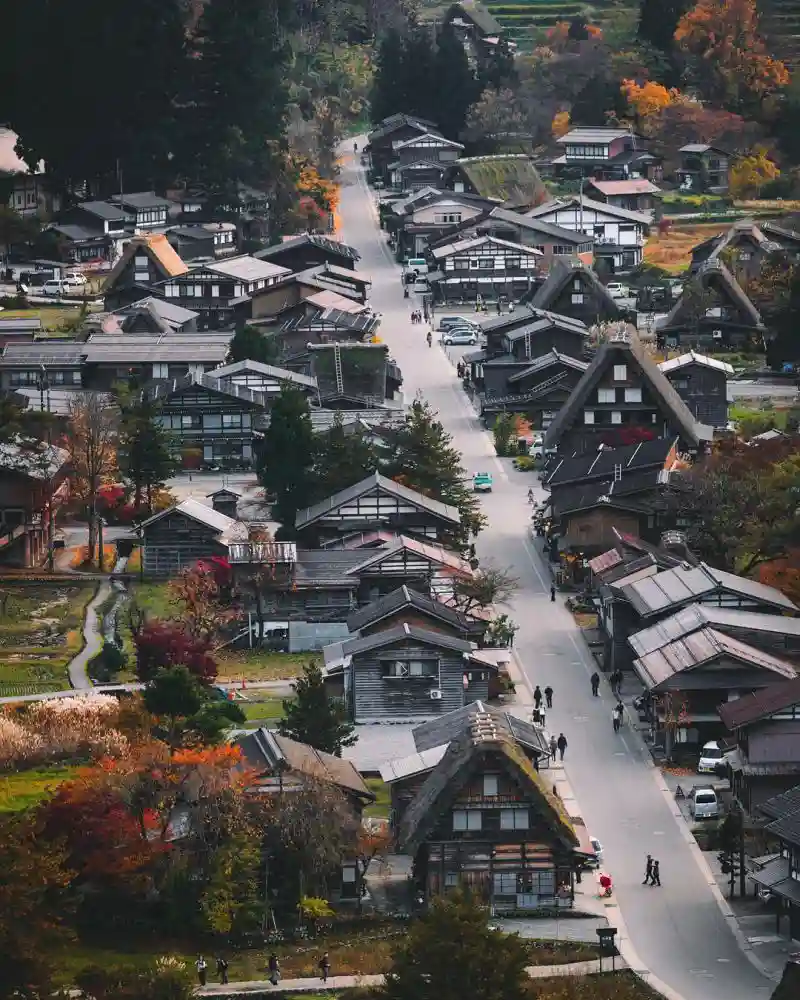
286 457
456 88
418 78
658 20
342 458
249 344
388 89
313 717
144 450
239 95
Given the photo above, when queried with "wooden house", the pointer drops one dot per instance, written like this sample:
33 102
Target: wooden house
407 673
147 209
421 161
703 168
34 487
299 253
619 234
485 821
150 315
176 538
574 290
510 180
702 383
765 728
144 357
60 362
744 248
606 152
206 240
98 218
148 260
427 216
621 398
267 379
528 333
536 390
409 606
637 194
477 28
380 142
780 872
483 266
378 502
690 677
716 314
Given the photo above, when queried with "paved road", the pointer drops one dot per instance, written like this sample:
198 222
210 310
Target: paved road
678 930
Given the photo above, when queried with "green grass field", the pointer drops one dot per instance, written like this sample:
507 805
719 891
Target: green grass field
23 789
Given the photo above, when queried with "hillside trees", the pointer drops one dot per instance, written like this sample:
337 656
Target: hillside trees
313 717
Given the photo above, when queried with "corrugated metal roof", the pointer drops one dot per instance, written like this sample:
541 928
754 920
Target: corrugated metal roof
461 246
416 763
245 268
672 586
268 371
191 348
695 359
43 353
594 134
750 588
392 635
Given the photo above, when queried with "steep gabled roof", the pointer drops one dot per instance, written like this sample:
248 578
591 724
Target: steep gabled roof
405 597
390 636
751 708
691 358
435 507
714 276
160 251
464 245
479 15
510 179
426 550
226 527
595 206
481 742
564 272
632 352
451 725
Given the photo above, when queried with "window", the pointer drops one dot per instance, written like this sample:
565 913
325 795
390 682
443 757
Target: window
576 285
459 263
633 395
140 261
616 417
490 784
466 819
505 883
513 263
744 255
189 420
588 416
606 395
577 298
513 819
561 251
212 421
620 373
411 668
30 198
141 276
486 264
160 371
451 880
444 218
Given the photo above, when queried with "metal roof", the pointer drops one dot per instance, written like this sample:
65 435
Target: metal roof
268 371
416 763
20 325
606 461
321 242
390 636
141 199
636 185
169 311
50 352
695 359
204 514
702 647
460 246
103 210
191 348
406 597
323 418
245 268
595 134
760 704
597 206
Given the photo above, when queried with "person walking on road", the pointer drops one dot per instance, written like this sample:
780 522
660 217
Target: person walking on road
202 969
553 747
552 593
561 743
648 869
616 719
324 967
655 874
222 969
537 697
595 679
429 338
274 969
548 694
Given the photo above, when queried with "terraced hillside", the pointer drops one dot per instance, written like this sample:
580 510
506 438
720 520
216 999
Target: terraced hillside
526 20
780 24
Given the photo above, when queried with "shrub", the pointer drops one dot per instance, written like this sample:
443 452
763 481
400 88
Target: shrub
166 644
107 664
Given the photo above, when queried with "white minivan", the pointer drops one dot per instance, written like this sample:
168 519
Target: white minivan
418 265
711 757
54 287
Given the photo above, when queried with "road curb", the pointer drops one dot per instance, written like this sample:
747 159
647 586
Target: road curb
722 903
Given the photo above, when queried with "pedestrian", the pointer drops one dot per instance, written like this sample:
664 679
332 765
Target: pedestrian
274 969
499 307
561 743
655 875
548 694
202 969
222 969
615 720
595 679
621 712
648 869
552 593
553 747
616 682
537 697
537 717
325 967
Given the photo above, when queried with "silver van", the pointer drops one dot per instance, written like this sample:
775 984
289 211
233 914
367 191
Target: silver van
703 803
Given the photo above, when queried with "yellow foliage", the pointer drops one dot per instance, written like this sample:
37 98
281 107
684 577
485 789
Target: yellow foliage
749 173
649 98
561 124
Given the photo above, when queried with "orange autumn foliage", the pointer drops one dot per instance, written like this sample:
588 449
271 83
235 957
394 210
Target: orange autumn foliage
784 575
649 98
561 124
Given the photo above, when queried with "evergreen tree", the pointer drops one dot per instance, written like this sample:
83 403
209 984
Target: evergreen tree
499 70
422 457
313 717
658 20
342 458
450 952
286 457
388 89
249 344
456 88
144 450
239 95
418 78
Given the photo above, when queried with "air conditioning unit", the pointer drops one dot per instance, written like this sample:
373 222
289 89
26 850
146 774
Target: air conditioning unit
436 694
717 334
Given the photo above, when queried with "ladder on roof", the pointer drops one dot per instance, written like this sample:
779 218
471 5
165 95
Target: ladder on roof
617 473
528 345
337 367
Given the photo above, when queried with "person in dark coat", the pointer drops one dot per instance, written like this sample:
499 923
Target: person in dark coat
552 593
561 743
537 697
655 875
648 869
222 969
595 679
548 694
274 969
324 967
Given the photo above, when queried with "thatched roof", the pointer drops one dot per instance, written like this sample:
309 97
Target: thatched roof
512 180
713 276
562 272
482 743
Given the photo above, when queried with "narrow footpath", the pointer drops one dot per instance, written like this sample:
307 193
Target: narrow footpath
93 641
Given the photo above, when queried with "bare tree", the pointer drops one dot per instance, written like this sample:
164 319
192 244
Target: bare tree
486 587
91 441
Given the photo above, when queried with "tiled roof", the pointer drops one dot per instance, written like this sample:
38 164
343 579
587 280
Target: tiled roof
203 514
752 707
636 185
407 597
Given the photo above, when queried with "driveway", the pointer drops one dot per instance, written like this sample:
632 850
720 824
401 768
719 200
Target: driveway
679 932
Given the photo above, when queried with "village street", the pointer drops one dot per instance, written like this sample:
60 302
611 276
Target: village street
678 931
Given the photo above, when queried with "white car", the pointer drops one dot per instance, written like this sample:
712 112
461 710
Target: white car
617 290
710 757
466 335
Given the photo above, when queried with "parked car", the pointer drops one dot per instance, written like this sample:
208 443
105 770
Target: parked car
464 335
703 803
593 862
617 290
482 482
74 283
711 757
454 323
53 287
417 265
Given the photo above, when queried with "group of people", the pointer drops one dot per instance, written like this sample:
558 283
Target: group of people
416 316
273 967
558 746
652 871
202 969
